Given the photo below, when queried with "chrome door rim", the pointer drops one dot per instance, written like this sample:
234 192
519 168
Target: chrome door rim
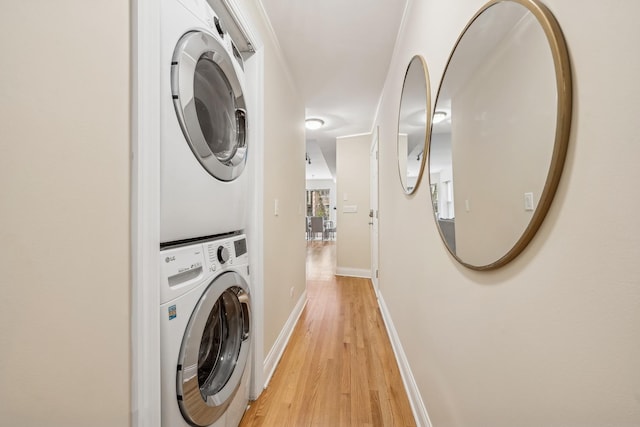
194 408
190 48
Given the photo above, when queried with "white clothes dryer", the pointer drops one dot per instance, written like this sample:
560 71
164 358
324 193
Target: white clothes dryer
203 125
206 333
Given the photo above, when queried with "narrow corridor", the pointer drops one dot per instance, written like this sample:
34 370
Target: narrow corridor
339 368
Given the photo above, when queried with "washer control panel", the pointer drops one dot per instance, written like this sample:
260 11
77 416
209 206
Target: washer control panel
223 254
182 265
226 253
185 267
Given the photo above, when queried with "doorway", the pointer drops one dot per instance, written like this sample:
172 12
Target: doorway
373 210
320 218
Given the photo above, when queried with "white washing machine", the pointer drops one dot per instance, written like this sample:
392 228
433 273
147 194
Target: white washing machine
206 333
203 125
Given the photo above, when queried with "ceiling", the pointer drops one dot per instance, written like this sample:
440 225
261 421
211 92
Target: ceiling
338 53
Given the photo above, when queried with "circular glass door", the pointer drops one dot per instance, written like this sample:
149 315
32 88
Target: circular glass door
214 350
209 102
220 344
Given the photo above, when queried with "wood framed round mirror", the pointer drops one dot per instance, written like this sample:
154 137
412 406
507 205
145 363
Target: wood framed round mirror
500 131
414 120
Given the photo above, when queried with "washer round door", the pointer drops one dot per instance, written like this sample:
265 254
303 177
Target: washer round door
215 350
209 101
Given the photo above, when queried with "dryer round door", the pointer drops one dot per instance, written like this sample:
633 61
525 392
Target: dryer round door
209 101
215 350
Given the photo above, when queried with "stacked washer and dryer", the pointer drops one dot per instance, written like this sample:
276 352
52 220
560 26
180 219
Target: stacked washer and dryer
205 307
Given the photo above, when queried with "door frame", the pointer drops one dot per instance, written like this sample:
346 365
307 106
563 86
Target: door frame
145 216
374 206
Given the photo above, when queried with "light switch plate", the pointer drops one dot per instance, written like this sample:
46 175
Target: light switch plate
528 201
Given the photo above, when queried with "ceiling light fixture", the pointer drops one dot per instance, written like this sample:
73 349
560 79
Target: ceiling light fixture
439 116
313 124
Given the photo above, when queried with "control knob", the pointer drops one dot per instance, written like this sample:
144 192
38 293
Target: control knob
223 254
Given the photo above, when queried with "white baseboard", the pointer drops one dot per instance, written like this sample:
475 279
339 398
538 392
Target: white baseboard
272 359
417 405
353 272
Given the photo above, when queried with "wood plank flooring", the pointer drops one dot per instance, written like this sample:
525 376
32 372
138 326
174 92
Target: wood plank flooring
339 368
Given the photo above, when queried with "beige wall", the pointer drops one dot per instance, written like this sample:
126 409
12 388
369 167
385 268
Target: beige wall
353 253
553 337
284 181
64 217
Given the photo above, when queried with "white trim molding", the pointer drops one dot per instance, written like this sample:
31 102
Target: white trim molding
255 221
354 135
145 219
275 354
353 272
415 399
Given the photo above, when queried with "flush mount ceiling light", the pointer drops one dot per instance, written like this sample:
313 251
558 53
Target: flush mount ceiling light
439 116
313 124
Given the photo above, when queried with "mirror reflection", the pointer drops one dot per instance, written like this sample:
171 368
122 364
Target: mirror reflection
499 132
413 123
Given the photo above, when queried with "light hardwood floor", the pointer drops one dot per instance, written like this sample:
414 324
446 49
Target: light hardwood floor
338 368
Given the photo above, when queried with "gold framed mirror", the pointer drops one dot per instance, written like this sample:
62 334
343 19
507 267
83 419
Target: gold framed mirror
414 120
500 132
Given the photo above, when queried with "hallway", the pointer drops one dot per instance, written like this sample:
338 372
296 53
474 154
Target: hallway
339 368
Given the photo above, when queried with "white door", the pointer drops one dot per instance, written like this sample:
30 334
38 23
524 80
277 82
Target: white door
373 211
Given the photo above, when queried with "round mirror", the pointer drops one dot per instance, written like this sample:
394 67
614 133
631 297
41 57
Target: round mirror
413 122
500 132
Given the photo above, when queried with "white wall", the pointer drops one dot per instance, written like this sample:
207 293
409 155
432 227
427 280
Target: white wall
284 181
353 253
64 221
553 337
